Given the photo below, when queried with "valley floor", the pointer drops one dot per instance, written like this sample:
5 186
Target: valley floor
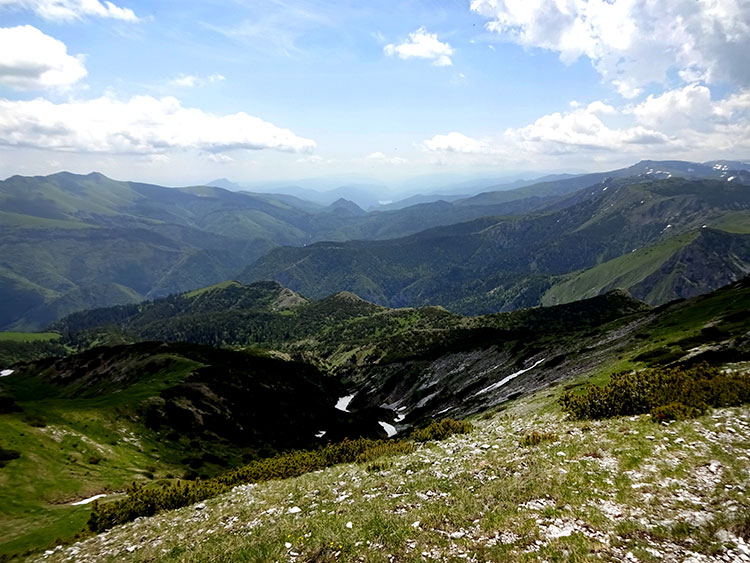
616 490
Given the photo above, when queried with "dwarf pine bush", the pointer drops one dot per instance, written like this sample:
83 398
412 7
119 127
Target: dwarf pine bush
667 393
147 501
442 429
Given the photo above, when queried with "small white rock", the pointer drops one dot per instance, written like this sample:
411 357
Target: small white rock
349 525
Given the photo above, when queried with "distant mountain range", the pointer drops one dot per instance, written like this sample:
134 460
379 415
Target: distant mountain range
503 263
70 242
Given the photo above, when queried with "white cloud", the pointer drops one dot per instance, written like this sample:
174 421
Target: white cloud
381 157
191 81
688 107
583 128
458 143
141 125
681 123
422 45
632 43
184 81
31 60
580 129
68 10
220 158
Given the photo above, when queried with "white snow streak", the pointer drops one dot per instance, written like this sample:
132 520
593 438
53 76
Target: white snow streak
505 380
389 428
343 403
87 500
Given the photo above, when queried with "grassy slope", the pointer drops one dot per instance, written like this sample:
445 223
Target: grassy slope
593 490
85 447
625 271
673 328
28 336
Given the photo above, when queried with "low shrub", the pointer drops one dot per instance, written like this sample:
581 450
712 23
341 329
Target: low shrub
7 456
534 438
441 429
677 391
147 501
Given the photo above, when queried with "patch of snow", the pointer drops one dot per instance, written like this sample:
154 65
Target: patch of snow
731 178
389 428
87 500
425 400
6 372
604 189
400 417
343 403
445 410
506 379
320 433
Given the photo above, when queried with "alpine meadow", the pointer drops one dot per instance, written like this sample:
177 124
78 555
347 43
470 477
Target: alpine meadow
319 281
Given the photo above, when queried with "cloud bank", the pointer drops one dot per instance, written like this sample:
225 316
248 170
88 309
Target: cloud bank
140 125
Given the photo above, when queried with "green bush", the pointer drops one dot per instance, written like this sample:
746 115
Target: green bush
534 438
695 389
676 411
7 456
441 429
147 501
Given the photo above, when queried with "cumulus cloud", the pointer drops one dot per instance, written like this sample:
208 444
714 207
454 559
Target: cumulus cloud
68 10
422 45
191 81
681 123
381 157
31 60
582 128
691 107
691 114
632 43
141 125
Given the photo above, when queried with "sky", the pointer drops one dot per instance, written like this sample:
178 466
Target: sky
183 92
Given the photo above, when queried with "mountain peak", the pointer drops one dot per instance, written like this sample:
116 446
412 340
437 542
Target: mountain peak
347 206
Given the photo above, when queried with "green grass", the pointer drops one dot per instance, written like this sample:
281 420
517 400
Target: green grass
31 222
737 222
28 336
202 290
481 496
623 272
73 449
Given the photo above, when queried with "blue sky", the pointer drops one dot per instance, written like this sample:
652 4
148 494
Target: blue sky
183 92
